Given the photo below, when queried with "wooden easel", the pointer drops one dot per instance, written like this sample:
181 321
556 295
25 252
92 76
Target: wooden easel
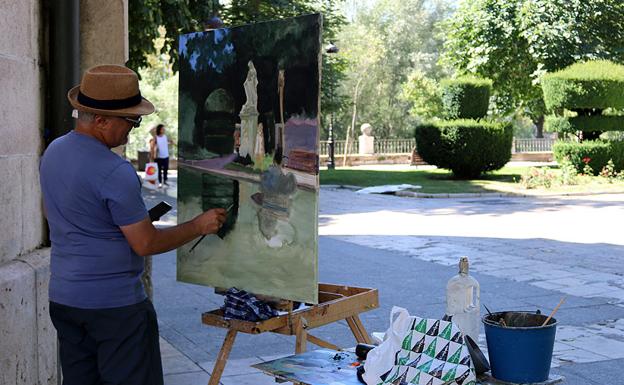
336 303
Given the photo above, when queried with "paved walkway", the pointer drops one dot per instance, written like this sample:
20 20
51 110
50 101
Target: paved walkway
527 253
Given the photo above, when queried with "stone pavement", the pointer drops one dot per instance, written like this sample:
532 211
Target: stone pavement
527 253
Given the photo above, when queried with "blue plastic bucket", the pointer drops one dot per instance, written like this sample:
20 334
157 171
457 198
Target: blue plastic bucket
521 351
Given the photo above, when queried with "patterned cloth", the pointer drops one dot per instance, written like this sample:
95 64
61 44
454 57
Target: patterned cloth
421 351
432 353
244 306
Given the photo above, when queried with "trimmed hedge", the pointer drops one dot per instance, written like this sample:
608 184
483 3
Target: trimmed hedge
466 97
599 152
593 84
466 147
584 123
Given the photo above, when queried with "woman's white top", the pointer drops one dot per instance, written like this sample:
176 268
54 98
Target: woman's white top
163 148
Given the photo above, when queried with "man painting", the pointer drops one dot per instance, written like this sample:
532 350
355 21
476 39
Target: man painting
100 230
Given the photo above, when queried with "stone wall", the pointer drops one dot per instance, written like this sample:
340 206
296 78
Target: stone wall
27 340
28 347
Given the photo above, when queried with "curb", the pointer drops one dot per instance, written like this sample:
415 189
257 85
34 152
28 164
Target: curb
412 194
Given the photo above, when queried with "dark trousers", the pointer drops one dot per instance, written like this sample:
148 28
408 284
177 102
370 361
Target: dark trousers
108 346
163 167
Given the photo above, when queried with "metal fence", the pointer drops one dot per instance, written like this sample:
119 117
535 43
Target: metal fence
405 146
532 145
382 146
394 146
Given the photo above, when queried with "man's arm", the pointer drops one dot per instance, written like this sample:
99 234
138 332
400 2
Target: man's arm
145 239
152 152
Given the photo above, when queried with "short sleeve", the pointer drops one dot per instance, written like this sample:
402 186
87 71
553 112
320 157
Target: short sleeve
121 192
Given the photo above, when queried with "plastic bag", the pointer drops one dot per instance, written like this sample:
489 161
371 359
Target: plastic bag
150 179
420 351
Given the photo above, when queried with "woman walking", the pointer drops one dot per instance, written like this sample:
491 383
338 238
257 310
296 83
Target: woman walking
160 153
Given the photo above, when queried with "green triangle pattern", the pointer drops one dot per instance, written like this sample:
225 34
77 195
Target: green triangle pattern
446 333
403 360
416 378
450 375
431 348
422 326
425 367
401 379
456 356
407 342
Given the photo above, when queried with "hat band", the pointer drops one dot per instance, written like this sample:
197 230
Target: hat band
110 104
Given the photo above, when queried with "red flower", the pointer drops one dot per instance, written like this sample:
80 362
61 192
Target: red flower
586 159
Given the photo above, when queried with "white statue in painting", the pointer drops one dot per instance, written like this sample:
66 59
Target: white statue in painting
249 114
251 89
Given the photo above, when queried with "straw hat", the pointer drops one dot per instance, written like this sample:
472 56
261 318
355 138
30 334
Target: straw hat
110 90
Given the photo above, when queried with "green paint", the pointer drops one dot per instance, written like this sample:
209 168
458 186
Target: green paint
213 70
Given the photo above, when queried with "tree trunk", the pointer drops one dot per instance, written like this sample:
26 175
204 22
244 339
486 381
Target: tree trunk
352 127
539 126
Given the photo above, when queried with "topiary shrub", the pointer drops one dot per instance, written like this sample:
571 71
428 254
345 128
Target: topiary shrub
590 85
466 147
466 97
596 154
573 124
586 89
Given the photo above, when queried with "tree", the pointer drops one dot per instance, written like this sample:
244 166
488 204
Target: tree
514 42
424 95
383 45
176 16
184 16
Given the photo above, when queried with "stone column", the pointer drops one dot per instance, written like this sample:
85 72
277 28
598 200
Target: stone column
103 32
104 36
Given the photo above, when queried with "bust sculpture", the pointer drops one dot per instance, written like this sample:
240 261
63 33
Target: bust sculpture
367 142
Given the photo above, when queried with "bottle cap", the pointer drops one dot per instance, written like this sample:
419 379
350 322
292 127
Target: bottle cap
463 265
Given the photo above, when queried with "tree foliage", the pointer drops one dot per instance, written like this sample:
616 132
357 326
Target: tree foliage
384 44
184 16
514 42
424 95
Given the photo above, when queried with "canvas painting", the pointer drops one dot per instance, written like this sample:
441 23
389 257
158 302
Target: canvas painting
248 142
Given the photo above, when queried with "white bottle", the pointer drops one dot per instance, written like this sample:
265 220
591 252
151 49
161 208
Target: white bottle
462 301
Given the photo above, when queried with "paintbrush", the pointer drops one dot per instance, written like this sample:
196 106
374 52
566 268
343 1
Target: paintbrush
230 207
553 312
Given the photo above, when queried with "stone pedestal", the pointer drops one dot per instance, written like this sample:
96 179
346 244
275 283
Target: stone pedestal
249 126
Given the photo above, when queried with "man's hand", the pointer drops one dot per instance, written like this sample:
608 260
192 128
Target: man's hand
145 239
210 221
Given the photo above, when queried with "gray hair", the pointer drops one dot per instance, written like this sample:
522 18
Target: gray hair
85 117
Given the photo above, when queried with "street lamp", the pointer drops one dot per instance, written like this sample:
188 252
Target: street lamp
331 49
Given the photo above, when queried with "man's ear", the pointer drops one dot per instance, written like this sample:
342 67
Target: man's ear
101 122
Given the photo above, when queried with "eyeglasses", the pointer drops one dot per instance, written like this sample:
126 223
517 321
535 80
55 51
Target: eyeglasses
135 122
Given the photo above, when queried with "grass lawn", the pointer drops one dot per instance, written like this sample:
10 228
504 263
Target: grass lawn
435 181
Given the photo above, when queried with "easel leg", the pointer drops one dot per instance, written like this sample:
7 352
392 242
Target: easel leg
217 371
302 336
358 330
365 335
322 343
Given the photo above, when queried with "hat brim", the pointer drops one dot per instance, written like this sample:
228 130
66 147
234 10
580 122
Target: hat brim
143 108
